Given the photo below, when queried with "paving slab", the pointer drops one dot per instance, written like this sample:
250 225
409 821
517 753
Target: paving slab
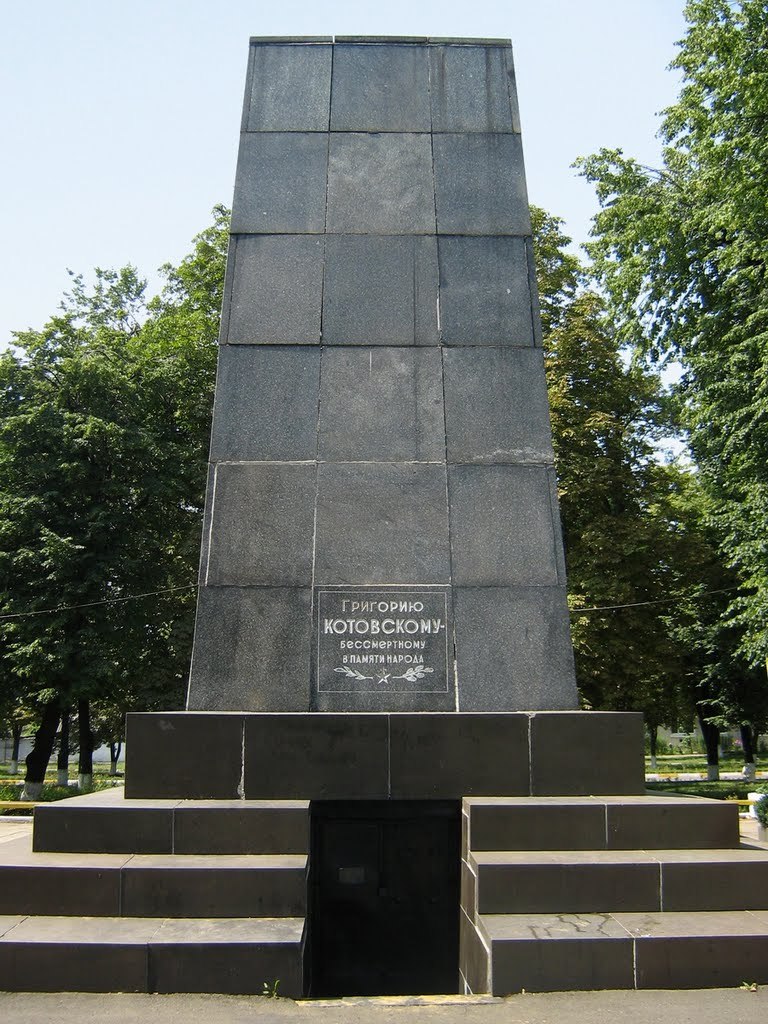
711 1006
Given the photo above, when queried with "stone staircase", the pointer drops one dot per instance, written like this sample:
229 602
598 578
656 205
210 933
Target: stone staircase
601 892
156 896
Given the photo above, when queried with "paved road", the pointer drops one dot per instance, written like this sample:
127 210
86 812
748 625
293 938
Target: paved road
713 1006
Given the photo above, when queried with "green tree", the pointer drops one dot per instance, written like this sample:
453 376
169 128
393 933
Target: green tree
681 252
607 413
103 442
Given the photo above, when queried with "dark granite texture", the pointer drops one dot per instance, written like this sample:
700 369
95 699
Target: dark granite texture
325 757
242 827
496 408
469 89
380 88
181 737
381 405
480 185
280 183
513 650
397 277
227 956
502 528
266 403
381 523
559 953
528 823
484 293
252 649
566 882
615 743
289 89
277 285
436 756
263 521
380 184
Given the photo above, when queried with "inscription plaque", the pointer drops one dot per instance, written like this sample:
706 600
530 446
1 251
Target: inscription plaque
382 641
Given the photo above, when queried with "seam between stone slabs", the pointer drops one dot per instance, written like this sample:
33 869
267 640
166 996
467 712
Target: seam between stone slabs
210 523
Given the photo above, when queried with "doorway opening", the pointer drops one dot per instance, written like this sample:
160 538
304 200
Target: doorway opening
384 897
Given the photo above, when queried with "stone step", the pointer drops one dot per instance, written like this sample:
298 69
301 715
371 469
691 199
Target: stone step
597 881
565 952
106 822
125 954
144 885
597 823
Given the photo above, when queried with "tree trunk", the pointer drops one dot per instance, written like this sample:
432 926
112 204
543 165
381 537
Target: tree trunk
62 764
40 754
85 763
711 735
748 747
653 735
16 734
114 756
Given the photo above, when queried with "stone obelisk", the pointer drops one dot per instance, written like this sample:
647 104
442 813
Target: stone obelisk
382 531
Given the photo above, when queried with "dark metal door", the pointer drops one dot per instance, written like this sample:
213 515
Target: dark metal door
384 910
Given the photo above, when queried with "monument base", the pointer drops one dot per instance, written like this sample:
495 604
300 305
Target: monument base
372 853
369 756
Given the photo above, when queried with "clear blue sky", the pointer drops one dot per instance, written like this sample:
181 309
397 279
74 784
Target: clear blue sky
120 121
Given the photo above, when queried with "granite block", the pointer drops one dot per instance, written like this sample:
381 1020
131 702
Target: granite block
232 956
502 529
87 887
528 823
316 757
469 89
196 886
381 405
289 88
484 294
450 756
480 185
496 408
558 953
381 523
615 741
266 403
62 954
674 823
276 296
380 184
701 950
179 738
380 88
280 183
252 649
242 827
513 652
697 880
474 958
119 829
566 883
380 290
468 897
262 524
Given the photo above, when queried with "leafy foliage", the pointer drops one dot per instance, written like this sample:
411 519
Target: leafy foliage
681 252
104 419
